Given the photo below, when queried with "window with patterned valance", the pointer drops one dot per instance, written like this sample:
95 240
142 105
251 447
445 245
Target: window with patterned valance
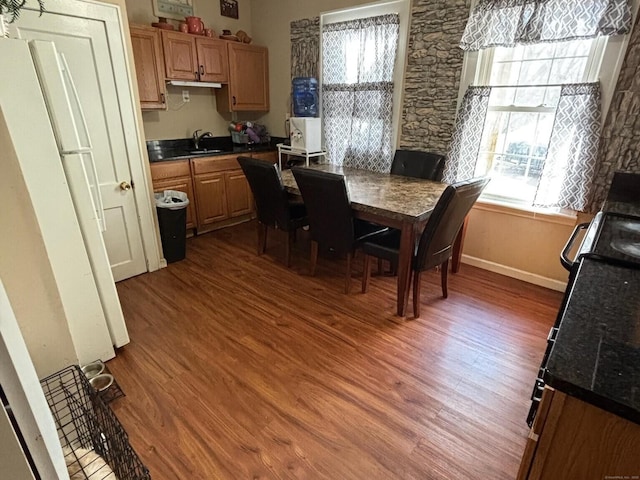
532 118
506 23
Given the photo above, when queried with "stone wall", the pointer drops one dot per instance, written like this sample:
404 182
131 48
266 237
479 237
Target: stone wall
620 141
434 67
305 47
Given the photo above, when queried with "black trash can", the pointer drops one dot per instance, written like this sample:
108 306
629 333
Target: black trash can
171 206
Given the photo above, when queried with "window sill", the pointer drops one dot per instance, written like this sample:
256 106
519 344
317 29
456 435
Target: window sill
566 217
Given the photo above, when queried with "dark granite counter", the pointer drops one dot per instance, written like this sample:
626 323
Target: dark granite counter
182 148
624 194
596 356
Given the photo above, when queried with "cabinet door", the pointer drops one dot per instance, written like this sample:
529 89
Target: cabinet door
212 60
239 199
175 175
180 56
181 185
147 55
248 88
211 199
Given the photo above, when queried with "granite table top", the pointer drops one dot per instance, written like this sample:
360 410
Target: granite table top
596 355
396 197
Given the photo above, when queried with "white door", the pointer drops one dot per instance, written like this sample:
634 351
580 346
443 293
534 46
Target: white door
85 45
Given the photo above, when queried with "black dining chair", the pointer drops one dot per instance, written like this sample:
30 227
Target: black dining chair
331 222
275 208
418 164
435 246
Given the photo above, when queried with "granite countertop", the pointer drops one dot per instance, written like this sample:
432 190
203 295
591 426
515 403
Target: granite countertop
390 196
183 148
596 355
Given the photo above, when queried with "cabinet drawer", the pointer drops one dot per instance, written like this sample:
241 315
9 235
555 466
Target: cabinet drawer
215 164
176 168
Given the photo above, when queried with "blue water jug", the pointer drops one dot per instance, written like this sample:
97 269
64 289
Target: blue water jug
305 97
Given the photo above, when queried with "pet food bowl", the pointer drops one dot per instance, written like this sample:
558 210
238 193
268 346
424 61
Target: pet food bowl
90 370
101 382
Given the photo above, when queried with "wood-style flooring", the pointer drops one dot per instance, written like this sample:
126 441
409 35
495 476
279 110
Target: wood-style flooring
239 368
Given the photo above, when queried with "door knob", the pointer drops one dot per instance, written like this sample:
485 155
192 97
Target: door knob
125 186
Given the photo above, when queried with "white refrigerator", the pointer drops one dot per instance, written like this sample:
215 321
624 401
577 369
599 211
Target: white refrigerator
48 131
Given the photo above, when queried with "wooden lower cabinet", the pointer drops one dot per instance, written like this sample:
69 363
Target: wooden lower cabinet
267 156
239 198
219 194
574 440
175 175
211 199
223 196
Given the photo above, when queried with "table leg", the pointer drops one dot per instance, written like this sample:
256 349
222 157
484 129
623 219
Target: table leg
457 247
407 239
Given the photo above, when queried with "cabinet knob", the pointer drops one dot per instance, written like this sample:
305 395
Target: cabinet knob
125 186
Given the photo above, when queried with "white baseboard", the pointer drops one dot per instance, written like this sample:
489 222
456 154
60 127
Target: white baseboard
515 273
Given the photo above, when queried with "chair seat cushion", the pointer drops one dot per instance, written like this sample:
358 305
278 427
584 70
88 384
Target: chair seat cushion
364 230
385 245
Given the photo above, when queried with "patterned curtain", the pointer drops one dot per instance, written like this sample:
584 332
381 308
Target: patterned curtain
305 47
573 148
467 135
507 23
357 90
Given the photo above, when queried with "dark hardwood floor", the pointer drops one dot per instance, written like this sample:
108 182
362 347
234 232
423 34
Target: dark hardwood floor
239 368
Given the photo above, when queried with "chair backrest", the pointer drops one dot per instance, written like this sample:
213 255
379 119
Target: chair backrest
328 208
436 242
271 199
414 163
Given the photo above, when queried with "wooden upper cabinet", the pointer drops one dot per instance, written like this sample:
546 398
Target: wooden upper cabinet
212 60
147 55
180 56
248 88
193 58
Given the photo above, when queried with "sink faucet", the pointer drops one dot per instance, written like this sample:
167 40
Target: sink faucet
197 138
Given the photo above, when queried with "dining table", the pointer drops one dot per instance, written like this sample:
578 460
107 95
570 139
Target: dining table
389 200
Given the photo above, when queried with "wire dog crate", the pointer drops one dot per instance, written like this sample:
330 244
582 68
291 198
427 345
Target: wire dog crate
95 445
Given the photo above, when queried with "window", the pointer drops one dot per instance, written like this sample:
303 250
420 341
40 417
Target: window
362 51
526 83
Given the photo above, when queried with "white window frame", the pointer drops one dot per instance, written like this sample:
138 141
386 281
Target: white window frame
403 9
483 77
609 63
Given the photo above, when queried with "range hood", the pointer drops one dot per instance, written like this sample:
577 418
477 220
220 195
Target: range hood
182 83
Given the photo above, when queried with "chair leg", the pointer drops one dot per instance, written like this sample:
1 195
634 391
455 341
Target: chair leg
262 238
287 252
314 257
366 273
443 277
347 278
417 277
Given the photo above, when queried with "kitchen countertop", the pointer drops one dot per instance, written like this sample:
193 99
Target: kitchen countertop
183 148
596 355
